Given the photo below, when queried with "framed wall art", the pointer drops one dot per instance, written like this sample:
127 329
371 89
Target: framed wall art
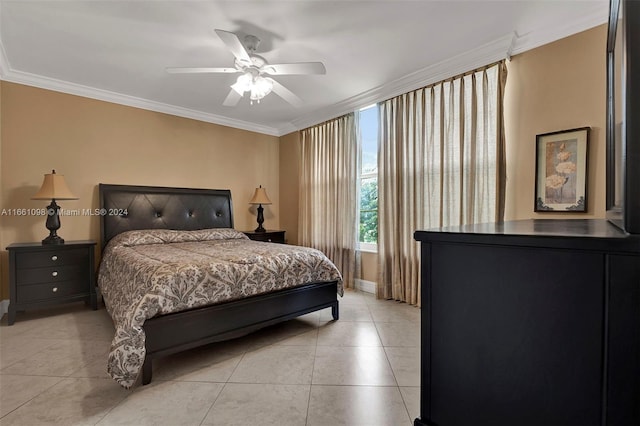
561 171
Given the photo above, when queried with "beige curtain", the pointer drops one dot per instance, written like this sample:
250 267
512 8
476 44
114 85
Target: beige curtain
328 193
440 163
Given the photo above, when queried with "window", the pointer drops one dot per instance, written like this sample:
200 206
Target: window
368 178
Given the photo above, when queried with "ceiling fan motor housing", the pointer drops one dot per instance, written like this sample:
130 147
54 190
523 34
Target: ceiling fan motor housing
251 42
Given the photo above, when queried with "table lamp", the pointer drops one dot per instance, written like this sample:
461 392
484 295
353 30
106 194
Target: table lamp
53 188
260 198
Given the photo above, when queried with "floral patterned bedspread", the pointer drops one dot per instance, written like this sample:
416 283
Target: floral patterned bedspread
148 273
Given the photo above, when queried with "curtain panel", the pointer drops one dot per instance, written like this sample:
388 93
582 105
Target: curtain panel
328 193
440 163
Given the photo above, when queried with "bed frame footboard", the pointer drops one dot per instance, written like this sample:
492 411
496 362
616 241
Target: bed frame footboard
180 331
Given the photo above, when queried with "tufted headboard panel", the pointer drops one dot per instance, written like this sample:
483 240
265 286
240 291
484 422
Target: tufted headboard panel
128 208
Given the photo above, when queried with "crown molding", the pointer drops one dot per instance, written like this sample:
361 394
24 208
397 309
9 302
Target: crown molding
4 62
132 101
597 16
493 51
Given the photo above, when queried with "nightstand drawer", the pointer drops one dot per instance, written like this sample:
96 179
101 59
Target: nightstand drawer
51 258
37 292
51 275
267 236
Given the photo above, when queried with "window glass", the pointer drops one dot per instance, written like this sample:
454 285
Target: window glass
368 178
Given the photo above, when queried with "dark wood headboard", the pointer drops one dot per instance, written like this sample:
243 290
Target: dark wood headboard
127 208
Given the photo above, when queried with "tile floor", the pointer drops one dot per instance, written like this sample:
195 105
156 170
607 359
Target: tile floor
360 370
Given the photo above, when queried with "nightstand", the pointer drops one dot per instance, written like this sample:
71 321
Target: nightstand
269 236
41 275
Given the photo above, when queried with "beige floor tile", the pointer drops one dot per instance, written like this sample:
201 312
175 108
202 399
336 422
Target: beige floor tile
276 364
373 301
391 311
18 390
96 369
277 333
356 406
17 348
69 402
353 297
364 365
18 329
349 334
209 364
269 372
311 318
76 330
310 338
405 363
411 397
349 312
405 333
60 359
260 404
165 403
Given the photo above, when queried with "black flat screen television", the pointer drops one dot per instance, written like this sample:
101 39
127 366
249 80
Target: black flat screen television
623 115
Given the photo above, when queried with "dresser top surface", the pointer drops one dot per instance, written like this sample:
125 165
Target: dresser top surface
590 233
598 228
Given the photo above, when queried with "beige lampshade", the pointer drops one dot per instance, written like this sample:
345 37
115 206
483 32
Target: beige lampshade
260 197
54 187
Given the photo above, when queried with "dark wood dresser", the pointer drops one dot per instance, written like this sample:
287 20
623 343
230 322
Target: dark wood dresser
41 275
269 236
532 322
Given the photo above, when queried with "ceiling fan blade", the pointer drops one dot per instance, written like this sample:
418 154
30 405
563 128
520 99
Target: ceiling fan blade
234 44
286 94
296 68
196 70
232 98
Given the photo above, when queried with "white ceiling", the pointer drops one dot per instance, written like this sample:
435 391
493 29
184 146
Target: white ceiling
118 50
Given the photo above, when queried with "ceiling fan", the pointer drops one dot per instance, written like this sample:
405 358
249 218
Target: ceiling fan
255 71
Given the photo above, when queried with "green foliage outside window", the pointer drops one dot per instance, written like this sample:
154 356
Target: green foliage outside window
369 211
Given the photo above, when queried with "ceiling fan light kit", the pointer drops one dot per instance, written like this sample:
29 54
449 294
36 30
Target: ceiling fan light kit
252 67
253 82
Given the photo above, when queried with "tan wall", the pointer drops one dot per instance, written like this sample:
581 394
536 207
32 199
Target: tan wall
369 266
559 86
289 171
93 142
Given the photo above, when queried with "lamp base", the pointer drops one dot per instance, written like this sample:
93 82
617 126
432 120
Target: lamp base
53 239
260 228
53 224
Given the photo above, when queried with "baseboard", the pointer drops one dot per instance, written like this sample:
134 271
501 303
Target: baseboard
366 286
4 307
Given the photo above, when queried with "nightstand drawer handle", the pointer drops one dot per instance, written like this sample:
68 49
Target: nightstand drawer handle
54 274
54 258
55 289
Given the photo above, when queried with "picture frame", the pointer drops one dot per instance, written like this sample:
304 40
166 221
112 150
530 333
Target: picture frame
561 171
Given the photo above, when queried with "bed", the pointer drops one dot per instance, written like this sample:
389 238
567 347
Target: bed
149 229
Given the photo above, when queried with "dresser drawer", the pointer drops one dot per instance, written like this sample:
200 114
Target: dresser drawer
51 258
37 292
52 274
